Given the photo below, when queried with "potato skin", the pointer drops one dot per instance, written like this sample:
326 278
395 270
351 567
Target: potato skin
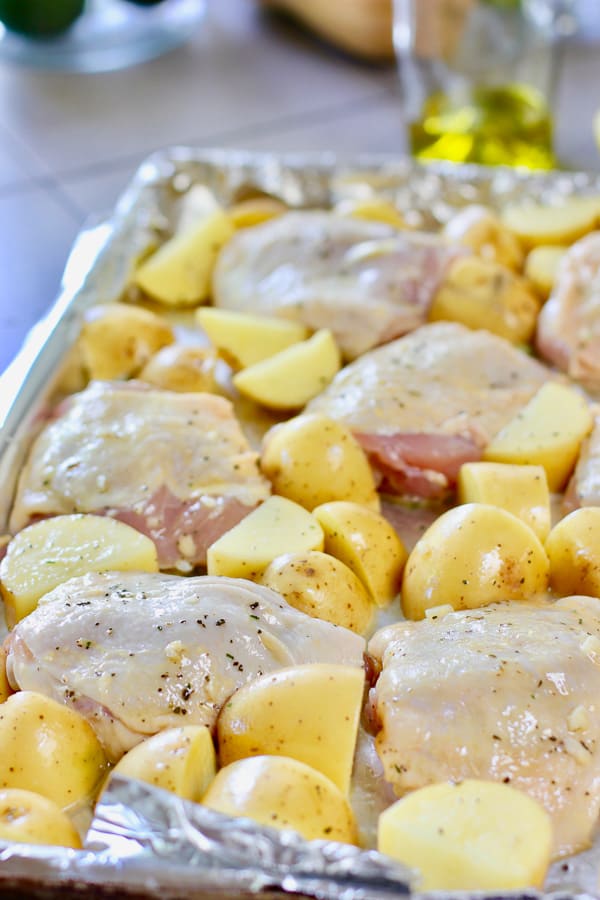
321 586
313 459
48 748
573 548
480 229
29 818
473 555
283 793
182 368
117 340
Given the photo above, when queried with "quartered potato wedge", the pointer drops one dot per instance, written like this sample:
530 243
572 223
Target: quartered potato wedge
540 225
29 818
244 339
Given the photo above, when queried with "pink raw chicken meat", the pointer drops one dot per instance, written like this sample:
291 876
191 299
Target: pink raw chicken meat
426 403
176 466
568 330
365 281
138 653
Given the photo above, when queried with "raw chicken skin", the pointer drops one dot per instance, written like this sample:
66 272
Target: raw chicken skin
429 401
175 466
510 692
139 653
584 487
568 329
364 280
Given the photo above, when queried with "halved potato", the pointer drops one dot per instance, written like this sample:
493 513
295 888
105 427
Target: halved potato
471 836
522 490
573 548
182 368
310 713
536 225
255 210
181 760
179 272
277 526
482 230
29 818
374 209
541 267
312 459
48 553
117 339
321 586
244 339
283 793
471 556
366 542
48 748
294 376
547 432
481 293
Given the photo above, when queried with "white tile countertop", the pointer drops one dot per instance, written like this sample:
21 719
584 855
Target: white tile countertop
70 143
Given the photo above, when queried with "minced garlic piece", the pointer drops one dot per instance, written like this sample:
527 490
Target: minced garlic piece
438 612
578 719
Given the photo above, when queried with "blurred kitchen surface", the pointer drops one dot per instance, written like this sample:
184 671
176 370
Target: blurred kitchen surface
69 143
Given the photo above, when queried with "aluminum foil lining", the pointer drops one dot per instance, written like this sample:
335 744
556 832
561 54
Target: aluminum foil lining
144 842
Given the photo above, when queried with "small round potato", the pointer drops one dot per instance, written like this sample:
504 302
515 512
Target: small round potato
29 818
182 368
117 340
473 555
48 748
480 229
181 760
312 459
283 793
573 547
321 586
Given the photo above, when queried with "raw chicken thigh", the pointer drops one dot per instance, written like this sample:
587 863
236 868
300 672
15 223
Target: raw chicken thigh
175 466
568 332
430 401
138 653
584 487
509 692
365 281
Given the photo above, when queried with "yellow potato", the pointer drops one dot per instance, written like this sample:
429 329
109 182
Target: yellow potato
283 793
366 542
471 556
48 553
179 272
29 818
294 376
312 459
547 432
277 526
5 689
482 230
181 760
471 836
374 209
255 210
321 586
117 340
244 339
573 548
481 293
310 713
48 748
182 368
522 490
541 267
564 224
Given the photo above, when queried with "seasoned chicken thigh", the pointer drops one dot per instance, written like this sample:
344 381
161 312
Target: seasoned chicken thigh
430 401
510 692
365 281
568 330
584 487
138 653
175 466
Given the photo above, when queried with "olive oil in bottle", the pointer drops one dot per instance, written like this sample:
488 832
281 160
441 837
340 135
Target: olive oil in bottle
509 124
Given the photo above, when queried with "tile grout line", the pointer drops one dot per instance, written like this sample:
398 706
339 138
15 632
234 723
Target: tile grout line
280 125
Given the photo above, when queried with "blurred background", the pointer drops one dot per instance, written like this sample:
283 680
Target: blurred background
286 76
